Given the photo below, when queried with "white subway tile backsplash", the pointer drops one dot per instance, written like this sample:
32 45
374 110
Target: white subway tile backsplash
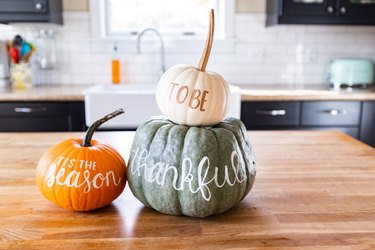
283 54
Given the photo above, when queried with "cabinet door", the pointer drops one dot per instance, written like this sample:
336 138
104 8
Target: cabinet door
308 8
23 6
358 12
33 116
270 114
77 116
31 11
331 113
41 116
368 123
357 8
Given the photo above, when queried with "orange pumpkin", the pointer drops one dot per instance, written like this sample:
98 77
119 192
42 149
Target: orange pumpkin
82 174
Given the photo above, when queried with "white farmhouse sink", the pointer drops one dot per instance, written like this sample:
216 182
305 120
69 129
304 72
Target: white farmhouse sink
137 100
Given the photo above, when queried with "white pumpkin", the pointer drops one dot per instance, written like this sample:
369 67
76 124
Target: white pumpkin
192 96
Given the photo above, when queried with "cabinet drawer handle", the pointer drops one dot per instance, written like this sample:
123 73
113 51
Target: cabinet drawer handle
333 112
342 9
39 6
330 9
274 112
30 110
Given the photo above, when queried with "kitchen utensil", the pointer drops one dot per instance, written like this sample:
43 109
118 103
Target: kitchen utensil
14 55
25 49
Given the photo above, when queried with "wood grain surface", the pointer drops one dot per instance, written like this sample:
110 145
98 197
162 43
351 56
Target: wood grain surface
313 190
249 92
252 94
56 93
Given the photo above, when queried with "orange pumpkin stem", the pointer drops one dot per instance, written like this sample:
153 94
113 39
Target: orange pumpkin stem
207 48
86 142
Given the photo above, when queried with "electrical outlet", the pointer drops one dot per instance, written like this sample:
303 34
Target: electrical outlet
311 54
257 55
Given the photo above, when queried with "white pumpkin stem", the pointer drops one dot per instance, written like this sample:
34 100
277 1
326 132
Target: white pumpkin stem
207 48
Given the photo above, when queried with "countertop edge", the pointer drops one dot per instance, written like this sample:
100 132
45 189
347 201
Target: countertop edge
61 93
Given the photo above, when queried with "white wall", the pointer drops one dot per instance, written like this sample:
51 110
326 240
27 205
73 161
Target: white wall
297 54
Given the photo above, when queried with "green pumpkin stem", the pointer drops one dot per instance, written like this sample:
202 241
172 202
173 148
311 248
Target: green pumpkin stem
86 142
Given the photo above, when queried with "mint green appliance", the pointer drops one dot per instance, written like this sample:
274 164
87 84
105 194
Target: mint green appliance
351 72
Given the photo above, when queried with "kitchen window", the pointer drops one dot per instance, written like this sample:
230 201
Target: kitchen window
175 19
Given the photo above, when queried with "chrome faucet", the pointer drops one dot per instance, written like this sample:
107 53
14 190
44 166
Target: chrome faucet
162 53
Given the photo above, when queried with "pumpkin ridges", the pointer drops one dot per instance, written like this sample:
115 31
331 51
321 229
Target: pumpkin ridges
186 110
46 154
179 194
178 160
208 81
225 94
75 194
225 196
186 147
216 161
241 192
186 73
194 143
66 149
111 191
112 159
82 178
96 199
162 101
179 110
66 191
250 169
145 127
162 130
220 173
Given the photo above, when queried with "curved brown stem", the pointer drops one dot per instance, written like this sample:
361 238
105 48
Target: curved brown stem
207 48
86 142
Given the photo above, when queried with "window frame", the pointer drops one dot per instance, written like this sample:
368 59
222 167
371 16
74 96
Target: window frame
185 43
166 33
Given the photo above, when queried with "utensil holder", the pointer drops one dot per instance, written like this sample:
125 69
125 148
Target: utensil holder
21 75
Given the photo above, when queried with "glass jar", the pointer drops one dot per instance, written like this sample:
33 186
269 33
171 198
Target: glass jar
46 49
21 75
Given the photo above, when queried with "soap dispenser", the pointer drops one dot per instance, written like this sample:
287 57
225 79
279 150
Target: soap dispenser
115 66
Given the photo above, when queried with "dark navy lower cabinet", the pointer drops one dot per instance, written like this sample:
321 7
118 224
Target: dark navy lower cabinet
42 116
270 114
354 118
367 134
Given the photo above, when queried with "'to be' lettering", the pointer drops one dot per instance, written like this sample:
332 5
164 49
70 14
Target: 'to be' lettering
196 98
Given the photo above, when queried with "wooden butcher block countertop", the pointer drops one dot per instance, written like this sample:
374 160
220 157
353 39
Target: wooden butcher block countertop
249 92
313 190
44 93
300 92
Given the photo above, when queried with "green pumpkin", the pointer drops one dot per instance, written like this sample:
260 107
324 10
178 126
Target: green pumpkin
195 171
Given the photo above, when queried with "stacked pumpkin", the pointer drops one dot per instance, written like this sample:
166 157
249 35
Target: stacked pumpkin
192 162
